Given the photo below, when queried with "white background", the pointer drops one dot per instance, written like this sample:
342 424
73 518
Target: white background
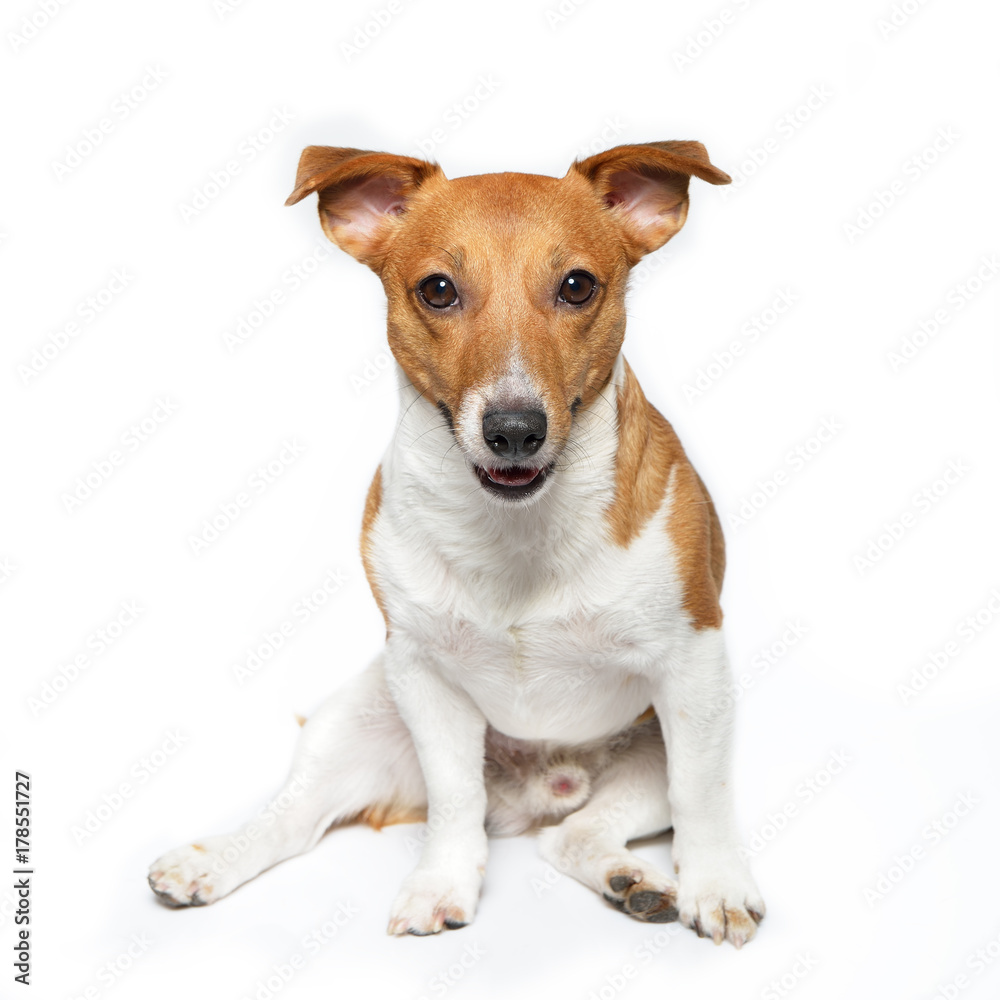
556 86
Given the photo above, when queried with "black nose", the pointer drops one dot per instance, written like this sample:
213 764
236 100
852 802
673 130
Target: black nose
514 434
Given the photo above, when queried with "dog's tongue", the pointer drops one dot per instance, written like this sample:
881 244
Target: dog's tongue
512 477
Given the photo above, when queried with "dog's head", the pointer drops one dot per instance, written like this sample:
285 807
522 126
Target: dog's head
506 291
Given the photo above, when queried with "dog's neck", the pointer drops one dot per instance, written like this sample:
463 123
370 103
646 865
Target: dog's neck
425 474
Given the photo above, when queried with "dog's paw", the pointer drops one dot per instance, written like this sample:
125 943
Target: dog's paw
720 901
432 900
195 874
643 894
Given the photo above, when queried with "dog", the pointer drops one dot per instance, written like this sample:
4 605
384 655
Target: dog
547 560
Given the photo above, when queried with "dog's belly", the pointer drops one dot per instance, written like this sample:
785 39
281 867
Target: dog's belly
569 680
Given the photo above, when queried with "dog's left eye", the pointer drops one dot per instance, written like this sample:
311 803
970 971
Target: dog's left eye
577 287
437 291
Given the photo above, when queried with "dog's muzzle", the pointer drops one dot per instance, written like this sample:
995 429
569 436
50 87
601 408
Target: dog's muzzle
514 435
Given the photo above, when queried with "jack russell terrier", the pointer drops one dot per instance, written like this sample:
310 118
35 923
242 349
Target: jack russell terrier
547 560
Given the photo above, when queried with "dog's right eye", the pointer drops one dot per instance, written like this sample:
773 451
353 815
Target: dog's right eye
577 288
438 292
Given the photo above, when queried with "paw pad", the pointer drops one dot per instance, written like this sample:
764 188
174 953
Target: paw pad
643 896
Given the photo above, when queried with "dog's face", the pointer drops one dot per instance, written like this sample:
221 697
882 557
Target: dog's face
506 291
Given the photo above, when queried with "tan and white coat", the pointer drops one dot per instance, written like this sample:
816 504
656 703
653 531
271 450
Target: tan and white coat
529 642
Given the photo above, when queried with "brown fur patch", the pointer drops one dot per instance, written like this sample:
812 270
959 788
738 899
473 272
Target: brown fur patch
647 450
645 717
372 503
301 719
718 545
197 847
649 460
389 813
697 536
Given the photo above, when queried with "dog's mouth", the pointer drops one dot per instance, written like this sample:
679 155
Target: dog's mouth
515 483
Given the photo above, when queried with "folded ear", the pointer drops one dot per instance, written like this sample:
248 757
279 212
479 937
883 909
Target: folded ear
360 194
646 187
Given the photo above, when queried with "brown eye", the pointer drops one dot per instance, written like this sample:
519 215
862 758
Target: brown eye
577 287
437 291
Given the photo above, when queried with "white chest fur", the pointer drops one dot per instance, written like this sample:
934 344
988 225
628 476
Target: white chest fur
551 628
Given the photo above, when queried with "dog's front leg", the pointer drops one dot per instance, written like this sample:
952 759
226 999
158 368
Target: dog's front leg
448 732
716 895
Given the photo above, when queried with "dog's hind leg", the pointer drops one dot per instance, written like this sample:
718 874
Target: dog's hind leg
629 801
354 760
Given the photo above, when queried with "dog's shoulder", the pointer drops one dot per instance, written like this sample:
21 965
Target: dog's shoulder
653 474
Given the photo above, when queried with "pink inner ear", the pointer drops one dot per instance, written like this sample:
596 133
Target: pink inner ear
362 208
646 200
